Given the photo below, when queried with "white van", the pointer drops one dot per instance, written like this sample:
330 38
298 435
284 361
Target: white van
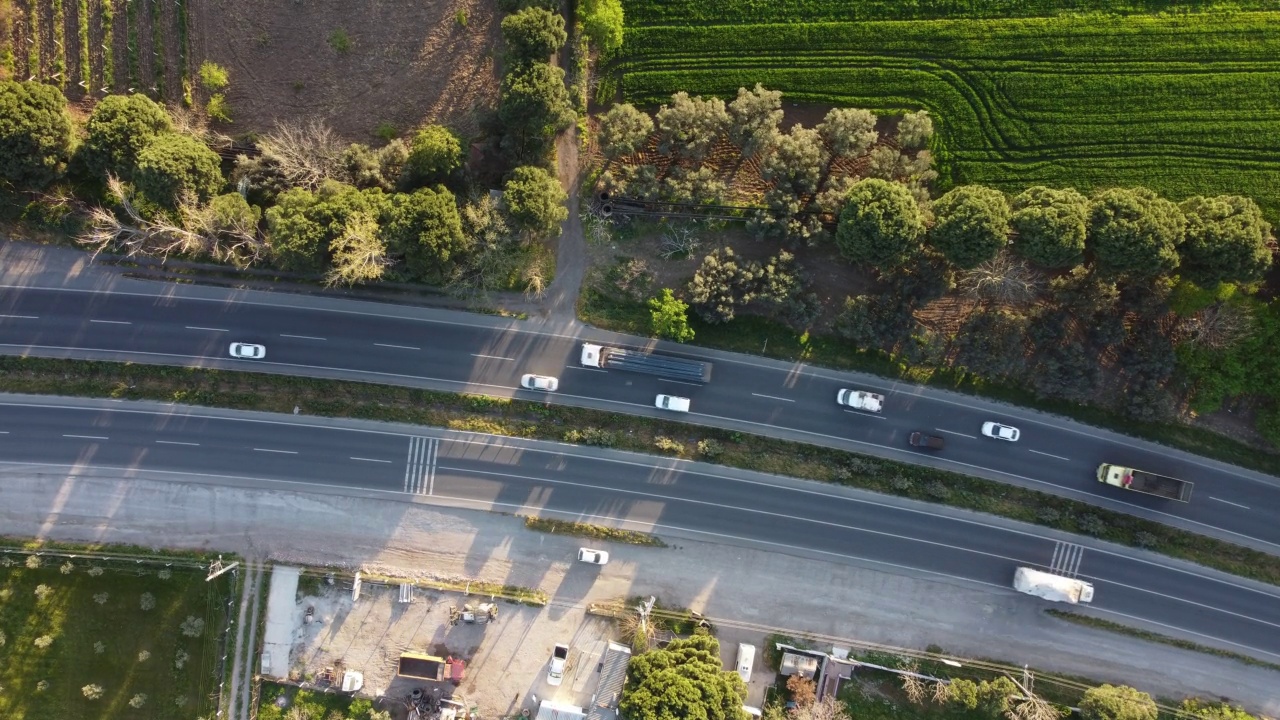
672 402
746 659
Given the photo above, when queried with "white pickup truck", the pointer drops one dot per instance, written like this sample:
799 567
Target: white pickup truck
860 400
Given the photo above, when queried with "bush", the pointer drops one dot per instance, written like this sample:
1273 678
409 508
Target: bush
213 77
710 449
666 444
592 436
669 317
1091 524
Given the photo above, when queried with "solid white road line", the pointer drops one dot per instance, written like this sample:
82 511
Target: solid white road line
397 347
208 329
87 437
1228 502
111 322
1048 455
302 337
175 442
491 357
353 457
771 397
21 317
851 412
953 432
282 452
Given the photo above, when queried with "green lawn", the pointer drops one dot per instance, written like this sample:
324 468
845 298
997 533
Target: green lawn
92 616
1185 104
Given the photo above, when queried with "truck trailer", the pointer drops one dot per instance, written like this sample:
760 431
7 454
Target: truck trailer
1052 587
672 368
1145 482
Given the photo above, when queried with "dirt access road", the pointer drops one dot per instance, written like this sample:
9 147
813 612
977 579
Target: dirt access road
770 589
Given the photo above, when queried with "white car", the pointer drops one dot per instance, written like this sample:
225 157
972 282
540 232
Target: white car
248 351
1000 432
559 658
595 557
671 402
539 382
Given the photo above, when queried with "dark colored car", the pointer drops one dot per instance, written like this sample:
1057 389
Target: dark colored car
928 442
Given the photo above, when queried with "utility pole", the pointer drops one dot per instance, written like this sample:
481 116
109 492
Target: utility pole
216 568
645 608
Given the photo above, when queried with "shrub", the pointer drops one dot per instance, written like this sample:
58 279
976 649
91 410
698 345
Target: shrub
218 109
938 490
147 601
340 41
1091 524
92 692
710 448
1048 515
213 77
434 155
43 641
669 317
592 436
666 444
192 626
43 591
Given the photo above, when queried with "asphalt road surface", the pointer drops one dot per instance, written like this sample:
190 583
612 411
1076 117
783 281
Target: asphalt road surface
523 476
456 351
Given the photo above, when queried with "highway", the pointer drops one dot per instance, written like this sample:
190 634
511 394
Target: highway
796 517
461 352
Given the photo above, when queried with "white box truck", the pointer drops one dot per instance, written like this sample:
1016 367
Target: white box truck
1052 587
746 660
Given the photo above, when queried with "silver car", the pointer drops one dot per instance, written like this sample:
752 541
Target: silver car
539 382
248 351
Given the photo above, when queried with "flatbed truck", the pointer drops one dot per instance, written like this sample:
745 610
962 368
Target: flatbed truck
1145 482
672 368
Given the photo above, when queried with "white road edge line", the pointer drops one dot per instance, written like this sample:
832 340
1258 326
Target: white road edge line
22 317
1228 502
953 432
851 412
175 442
282 452
111 322
302 337
87 437
771 397
1048 454
491 357
353 457
397 347
209 329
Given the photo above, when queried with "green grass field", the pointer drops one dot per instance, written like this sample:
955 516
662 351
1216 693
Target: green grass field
96 632
1185 104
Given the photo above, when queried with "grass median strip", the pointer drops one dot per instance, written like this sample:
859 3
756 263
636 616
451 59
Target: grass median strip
1116 627
593 532
332 398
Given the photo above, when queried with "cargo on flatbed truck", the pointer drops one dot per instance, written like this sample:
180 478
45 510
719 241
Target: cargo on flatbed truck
673 368
1145 482
1052 587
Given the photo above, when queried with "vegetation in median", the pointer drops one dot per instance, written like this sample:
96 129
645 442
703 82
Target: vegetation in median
1090 621
594 532
245 391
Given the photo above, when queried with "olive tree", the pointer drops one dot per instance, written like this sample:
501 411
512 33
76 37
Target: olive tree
119 127
1227 240
689 126
849 131
1050 225
1135 232
881 224
755 116
972 225
35 134
915 129
624 130
797 162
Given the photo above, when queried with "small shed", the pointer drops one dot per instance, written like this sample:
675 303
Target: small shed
805 666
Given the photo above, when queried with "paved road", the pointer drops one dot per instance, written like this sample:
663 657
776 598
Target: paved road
455 351
523 476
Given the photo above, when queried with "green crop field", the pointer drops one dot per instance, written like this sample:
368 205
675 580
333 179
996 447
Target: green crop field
1185 104
146 636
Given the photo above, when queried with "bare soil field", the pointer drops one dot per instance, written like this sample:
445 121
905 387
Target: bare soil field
406 62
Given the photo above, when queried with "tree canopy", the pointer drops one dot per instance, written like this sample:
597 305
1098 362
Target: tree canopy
434 155
669 317
303 226
881 224
602 21
119 127
425 228
972 225
689 126
1051 225
1227 240
1136 232
1117 702
35 133
797 161
533 107
850 131
755 116
533 34
624 130
174 165
915 129
683 681
535 202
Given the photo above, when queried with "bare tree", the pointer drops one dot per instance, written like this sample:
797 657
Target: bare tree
1005 279
679 241
306 155
204 232
1218 326
912 685
1032 707
941 692
828 708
